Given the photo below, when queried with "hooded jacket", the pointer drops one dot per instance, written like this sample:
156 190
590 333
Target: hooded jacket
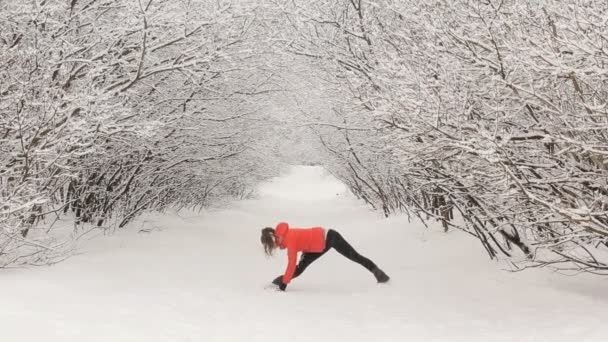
308 240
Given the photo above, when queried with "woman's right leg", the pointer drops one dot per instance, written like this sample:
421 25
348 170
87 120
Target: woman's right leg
335 240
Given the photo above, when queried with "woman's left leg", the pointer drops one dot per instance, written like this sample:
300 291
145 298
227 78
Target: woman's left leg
305 260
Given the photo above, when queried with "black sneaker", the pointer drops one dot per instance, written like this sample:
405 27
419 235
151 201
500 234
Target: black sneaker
381 277
278 281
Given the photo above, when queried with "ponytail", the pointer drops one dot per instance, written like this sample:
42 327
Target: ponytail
267 240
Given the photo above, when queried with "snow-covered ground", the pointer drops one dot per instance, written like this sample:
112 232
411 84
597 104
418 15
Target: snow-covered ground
201 277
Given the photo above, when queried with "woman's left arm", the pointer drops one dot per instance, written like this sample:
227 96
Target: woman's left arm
292 255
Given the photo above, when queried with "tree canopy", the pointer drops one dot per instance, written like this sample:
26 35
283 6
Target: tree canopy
487 116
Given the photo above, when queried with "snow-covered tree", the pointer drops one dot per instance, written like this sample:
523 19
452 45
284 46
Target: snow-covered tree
492 109
110 108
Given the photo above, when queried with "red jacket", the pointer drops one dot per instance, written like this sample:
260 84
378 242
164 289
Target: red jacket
310 240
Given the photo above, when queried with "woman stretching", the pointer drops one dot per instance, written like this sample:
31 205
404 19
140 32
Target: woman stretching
313 243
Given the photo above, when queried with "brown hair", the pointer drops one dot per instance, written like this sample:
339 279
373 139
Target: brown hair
267 240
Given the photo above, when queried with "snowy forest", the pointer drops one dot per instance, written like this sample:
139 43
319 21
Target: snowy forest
488 116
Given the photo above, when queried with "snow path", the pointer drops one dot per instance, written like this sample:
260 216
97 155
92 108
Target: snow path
201 277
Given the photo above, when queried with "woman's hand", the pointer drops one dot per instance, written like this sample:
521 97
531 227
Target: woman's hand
278 281
283 286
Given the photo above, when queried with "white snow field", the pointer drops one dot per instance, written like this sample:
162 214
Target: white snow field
201 277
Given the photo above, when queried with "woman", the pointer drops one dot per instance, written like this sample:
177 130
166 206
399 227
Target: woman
313 243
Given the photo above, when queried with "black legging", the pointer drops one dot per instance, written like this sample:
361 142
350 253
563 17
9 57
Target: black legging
336 241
